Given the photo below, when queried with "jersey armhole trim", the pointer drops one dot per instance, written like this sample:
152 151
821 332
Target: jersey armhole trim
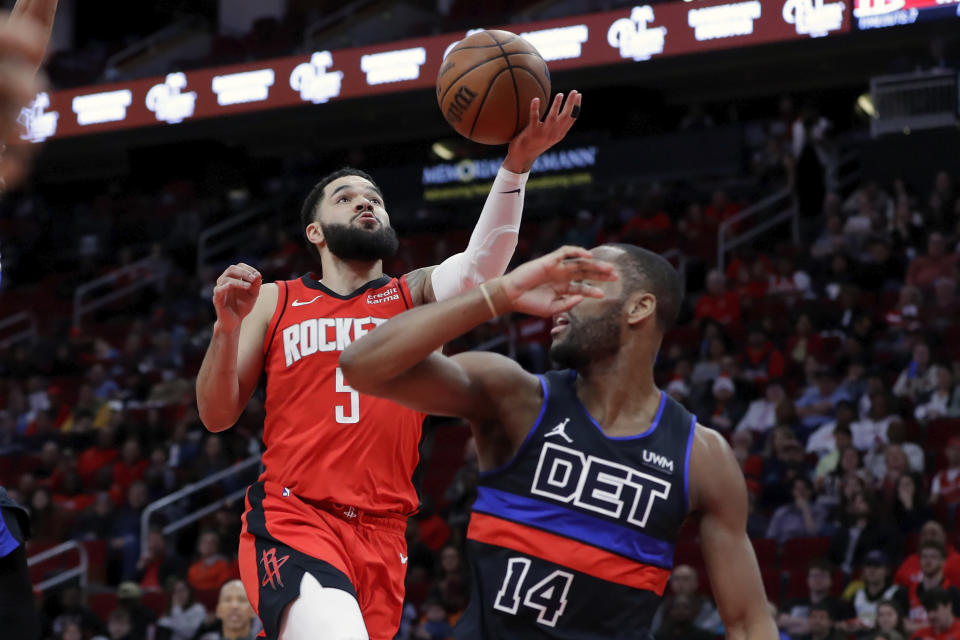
523 445
405 291
686 464
277 316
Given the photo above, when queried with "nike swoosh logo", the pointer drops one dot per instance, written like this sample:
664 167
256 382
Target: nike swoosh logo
516 191
297 303
403 559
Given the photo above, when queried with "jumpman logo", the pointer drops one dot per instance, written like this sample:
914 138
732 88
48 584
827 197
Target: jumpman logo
559 431
271 568
350 512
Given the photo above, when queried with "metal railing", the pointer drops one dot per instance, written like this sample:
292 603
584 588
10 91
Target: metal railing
176 525
911 101
148 49
221 240
27 332
76 572
783 208
312 32
131 278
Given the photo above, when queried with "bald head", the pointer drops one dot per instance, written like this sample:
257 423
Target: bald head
234 610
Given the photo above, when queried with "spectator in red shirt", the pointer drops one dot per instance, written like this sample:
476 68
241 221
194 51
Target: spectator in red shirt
721 208
717 303
130 467
98 457
932 562
937 263
944 625
650 220
761 361
909 572
211 570
945 487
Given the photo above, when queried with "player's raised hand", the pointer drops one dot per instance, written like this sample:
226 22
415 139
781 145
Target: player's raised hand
556 282
235 294
539 136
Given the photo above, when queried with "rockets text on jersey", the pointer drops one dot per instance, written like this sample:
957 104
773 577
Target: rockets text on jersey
325 442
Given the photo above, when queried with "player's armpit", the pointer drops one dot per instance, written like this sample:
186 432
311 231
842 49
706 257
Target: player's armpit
718 492
421 286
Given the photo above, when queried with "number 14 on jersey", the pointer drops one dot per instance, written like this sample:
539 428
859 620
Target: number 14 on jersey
548 597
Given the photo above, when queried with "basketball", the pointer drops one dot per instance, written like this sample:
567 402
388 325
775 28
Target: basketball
486 83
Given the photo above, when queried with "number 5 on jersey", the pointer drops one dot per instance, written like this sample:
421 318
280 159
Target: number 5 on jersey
548 597
342 416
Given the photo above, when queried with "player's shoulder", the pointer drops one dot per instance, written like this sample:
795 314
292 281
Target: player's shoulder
709 442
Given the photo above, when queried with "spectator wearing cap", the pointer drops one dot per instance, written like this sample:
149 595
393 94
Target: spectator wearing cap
130 599
817 405
933 557
761 360
909 571
862 528
717 303
723 409
937 263
794 617
761 415
802 518
684 582
874 587
679 390
942 616
945 488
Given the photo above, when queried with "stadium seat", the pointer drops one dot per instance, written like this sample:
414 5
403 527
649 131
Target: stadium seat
798 552
156 601
102 603
938 431
688 552
766 551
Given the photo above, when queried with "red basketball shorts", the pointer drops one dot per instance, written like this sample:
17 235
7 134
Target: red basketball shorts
284 537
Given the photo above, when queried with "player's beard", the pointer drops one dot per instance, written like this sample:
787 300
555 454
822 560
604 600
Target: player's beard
589 339
348 242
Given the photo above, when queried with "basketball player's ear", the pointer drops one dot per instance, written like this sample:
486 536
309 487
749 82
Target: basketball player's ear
640 307
315 233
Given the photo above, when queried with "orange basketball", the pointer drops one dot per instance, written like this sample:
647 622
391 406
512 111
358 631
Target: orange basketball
486 83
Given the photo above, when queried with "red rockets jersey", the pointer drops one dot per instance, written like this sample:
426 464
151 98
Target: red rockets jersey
325 441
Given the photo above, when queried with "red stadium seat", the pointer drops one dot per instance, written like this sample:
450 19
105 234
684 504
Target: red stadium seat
688 553
208 598
156 601
797 553
938 431
772 583
766 551
102 603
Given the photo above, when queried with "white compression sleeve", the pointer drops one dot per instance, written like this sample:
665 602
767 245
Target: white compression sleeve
492 242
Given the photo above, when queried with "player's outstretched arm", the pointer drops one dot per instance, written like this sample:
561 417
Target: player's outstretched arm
494 237
234 358
398 359
719 493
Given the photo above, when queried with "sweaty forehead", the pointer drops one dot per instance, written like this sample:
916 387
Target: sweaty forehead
350 182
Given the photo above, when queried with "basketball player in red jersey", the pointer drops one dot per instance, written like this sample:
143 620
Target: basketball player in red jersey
322 551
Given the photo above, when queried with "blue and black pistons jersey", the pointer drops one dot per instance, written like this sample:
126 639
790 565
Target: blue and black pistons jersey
574 536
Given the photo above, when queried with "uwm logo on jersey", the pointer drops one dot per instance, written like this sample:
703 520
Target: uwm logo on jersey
321 335
592 483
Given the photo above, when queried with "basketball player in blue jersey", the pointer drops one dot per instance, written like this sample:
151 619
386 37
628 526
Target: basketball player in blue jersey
587 473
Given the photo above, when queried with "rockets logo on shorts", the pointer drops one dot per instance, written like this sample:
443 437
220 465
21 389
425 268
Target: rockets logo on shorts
271 568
